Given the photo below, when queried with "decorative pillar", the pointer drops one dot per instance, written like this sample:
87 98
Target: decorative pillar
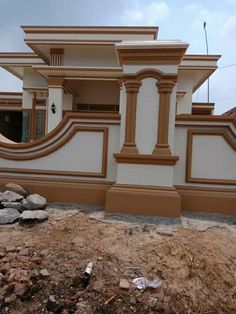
165 88
55 102
132 88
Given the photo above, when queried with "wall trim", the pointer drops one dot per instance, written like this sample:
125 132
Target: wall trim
63 190
167 160
69 135
216 132
204 199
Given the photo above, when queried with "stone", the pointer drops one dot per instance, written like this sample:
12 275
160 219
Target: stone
44 273
15 205
53 306
16 188
24 252
33 215
8 215
10 248
10 299
9 196
35 201
124 284
20 289
2 254
98 286
36 260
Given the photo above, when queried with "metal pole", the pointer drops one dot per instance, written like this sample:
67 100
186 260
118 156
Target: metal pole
208 81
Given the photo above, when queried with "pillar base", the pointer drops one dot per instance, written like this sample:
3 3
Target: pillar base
143 200
161 149
129 149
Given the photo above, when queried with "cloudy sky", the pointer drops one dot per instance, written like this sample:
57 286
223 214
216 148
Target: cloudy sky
177 19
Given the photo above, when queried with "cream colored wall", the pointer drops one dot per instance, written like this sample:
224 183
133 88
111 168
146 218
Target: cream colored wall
122 108
90 56
163 68
171 134
82 153
155 175
33 79
27 100
184 104
67 102
147 116
55 95
217 158
97 92
213 158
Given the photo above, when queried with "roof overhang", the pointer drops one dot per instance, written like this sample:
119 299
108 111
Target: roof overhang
82 72
16 62
41 38
199 67
151 52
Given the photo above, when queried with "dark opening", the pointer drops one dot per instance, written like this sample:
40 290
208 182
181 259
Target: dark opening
11 125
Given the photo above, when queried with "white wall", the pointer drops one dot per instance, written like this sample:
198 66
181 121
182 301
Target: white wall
213 158
55 96
27 101
33 79
155 175
147 116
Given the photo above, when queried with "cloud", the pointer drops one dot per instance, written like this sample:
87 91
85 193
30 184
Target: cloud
229 28
149 14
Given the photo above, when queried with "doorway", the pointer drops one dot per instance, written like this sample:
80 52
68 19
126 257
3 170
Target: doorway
11 125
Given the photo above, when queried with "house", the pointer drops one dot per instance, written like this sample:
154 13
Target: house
231 112
106 117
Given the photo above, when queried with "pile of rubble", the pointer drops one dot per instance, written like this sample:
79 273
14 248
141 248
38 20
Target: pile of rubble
16 205
20 268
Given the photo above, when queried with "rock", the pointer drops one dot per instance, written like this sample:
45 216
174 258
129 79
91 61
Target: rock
34 273
98 286
2 254
36 260
10 299
15 205
124 284
10 248
24 252
35 201
34 215
16 188
20 289
44 273
9 196
8 215
54 306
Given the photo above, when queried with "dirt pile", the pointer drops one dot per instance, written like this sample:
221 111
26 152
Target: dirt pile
197 268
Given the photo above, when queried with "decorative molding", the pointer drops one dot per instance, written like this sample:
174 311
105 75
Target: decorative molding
202 118
188 175
165 88
146 159
56 56
62 189
204 199
150 55
132 88
143 200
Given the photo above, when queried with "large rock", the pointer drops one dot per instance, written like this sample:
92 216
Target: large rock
16 188
34 201
34 215
9 196
15 205
8 215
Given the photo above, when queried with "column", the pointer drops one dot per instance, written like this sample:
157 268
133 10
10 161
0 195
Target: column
55 102
165 88
132 88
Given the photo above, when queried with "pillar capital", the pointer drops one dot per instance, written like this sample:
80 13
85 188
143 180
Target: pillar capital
55 82
165 86
132 86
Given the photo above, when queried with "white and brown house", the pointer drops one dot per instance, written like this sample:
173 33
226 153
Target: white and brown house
106 117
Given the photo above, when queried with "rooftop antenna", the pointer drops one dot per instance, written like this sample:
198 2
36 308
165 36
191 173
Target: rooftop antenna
208 82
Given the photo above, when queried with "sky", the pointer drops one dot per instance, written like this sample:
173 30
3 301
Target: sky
177 19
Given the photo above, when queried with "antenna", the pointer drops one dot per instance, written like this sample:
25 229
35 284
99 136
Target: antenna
208 81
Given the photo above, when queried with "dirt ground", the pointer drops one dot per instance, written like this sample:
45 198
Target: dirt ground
197 267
